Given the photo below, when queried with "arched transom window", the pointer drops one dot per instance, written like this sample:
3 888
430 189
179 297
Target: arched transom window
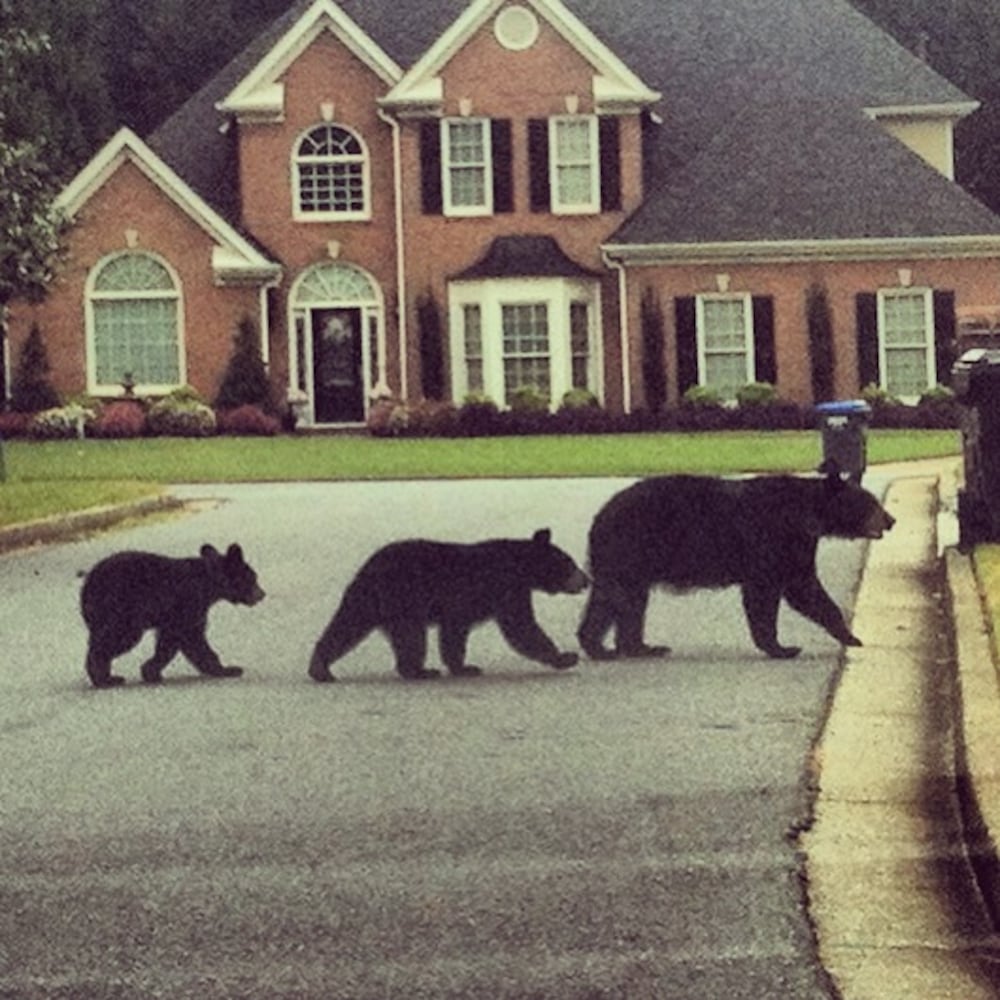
134 312
331 174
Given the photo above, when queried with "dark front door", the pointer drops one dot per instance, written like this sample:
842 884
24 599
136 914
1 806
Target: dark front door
338 370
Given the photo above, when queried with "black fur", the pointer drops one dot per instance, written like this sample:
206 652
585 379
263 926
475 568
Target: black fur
130 592
760 534
407 586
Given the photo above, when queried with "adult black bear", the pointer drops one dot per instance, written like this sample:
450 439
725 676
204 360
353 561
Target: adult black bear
409 585
698 531
130 592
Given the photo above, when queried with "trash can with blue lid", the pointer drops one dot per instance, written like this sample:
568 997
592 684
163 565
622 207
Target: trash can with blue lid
844 429
975 379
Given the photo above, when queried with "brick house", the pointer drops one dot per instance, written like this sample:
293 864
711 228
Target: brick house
445 197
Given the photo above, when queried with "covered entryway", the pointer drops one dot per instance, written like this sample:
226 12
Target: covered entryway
337 352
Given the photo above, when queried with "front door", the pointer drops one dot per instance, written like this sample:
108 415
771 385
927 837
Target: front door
338 366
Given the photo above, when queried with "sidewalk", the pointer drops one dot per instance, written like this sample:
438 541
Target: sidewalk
906 758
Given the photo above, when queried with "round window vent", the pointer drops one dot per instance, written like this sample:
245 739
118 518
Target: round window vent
516 27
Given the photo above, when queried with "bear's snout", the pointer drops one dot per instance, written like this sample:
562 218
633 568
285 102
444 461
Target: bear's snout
879 522
578 582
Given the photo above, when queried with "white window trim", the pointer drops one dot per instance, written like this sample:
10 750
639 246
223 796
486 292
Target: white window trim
466 211
114 389
299 214
491 296
929 347
747 300
593 205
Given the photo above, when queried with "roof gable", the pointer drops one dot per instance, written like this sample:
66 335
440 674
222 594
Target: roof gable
234 258
260 94
615 84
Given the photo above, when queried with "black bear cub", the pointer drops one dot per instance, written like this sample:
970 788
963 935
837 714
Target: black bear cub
130 592
760 534
407 586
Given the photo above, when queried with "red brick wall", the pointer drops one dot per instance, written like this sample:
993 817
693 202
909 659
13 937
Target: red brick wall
974 282
130 201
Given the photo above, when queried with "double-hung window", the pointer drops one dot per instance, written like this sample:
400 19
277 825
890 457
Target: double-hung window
906 341
526 348
574 173
467 167
725 343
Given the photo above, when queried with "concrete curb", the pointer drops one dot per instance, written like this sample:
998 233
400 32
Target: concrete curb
66 526
977 728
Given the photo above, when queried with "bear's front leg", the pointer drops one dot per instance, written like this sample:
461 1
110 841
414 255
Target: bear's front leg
760 602
194 645
525 635
808 596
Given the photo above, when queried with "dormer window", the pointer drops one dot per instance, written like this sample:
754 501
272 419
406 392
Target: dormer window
331 175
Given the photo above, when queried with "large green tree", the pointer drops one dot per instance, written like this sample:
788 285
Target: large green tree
29 224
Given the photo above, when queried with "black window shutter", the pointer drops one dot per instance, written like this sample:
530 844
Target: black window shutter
687 343
610 160
765 362
866 313
430 167
945 336
503 179
538 164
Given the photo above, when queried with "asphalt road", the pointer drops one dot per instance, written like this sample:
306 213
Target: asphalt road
608 831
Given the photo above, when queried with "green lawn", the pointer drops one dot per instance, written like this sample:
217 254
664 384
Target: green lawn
50 477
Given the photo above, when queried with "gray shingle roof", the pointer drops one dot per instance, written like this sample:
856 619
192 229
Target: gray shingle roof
524 257
781 171
762 133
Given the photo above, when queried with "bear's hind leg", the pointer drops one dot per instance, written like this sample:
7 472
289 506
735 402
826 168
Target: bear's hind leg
452 639
634 600
760 602
104 645
346 629
409 643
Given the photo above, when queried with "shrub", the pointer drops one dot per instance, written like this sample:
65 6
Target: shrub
431 418
387 417
529 399
478 415
247 419
30 389
757 394
181 414
579 399
701 395
122 418
60 422
13 424
245 381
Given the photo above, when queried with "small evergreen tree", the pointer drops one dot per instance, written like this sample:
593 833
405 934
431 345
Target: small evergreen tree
822 360
30 390
431 333
245 380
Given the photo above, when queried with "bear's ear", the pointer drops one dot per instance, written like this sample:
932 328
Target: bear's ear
542 537
209 553
234 553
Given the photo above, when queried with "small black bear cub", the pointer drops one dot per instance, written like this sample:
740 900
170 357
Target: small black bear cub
130 592
698 531
407 586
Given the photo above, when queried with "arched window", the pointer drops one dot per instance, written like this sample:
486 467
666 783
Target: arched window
134 312
331 174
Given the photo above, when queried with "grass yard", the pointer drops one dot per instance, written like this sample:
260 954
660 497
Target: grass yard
51 477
